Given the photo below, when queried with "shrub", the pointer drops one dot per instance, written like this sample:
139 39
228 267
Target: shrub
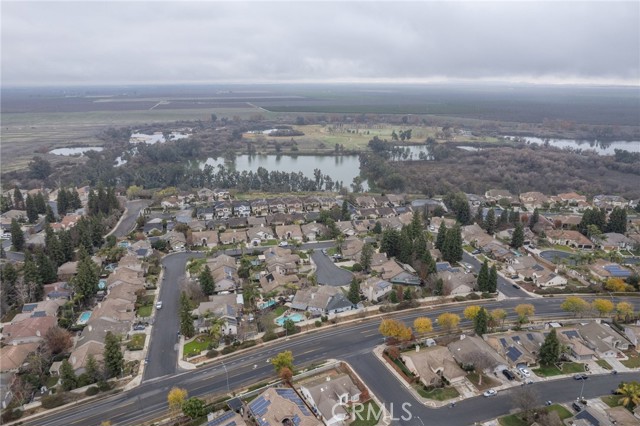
318 323
487 295
356 267
227 350
104 386
93 390
459 299
212 353
84 380
52 401
268 336
324 318
247 344
11 414
473 296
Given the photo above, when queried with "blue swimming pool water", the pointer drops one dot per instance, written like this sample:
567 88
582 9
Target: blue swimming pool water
102 284
295 318
84 317
265 305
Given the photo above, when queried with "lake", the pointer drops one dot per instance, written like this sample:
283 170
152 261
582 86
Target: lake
157 137
602 148
75 151
341 168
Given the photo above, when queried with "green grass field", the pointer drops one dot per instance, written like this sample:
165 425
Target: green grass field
198 345
567 368
438 394
137 342
633 361
368 414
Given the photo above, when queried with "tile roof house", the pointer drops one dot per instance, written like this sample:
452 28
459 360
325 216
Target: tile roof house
281 406
257 235
275 281
569 238
229 418
351 249
346 227
281 260
455 281
321 299
517 347
260 207
289 232
495 195
223 306
375 288
329 396
231 237
29 330
611 241
13 356
533 200
432 364
602 270
602 339
388 269
204 238
468 348
578 348
313 231
80 355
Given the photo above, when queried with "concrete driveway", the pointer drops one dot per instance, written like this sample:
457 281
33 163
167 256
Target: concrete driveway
328 273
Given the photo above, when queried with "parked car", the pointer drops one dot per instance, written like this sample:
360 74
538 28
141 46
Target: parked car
524 372
138 327
576 407
324 251
508 374
432 228
580 377
159 305
476 251
283 244
490 392
516 286
548 403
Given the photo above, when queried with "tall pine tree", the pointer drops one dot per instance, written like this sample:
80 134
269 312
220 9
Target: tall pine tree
550 349
442 235
113 358
206 281
86 280
517 239
490 222
493 280
186 322
17 236
483 277
452 250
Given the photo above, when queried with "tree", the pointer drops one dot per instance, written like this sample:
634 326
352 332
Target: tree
576 305
282 360
17 236
452 249
390 243
525 399
365 256
393 297
18 199
624 309
517 239
377 228
499 315
603 306
493 279
630 394
550 349
483 277
470 312
58 340
286 375
206 281
442 235
39 168
490 222
32 212
93 369
86 280
481 322
67 376
615 285
422 325
617 221
354 292
193 408
448 321
524 311
344 211
289 326
176 398
186 322
113 358
47 268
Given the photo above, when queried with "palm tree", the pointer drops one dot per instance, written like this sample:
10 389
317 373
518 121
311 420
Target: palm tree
215 327
630 394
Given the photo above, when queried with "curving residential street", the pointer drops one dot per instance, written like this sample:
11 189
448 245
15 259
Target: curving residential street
131 213
328 273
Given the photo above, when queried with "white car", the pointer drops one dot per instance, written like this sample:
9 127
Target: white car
490 392
283 244
159 305
432 228
524 372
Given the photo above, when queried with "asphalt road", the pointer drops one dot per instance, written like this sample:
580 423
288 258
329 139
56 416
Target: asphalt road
127 223
328 273
352 342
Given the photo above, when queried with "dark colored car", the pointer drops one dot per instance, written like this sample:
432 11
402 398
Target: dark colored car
576 407
516 286
508 374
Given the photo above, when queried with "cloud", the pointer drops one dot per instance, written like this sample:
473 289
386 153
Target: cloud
183 41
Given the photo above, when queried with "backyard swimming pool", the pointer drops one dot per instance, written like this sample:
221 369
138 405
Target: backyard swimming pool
295 318
84 317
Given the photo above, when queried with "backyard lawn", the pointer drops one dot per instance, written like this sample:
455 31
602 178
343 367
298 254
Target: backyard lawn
633 361
367 414
552 370
280 310
198 345
439 394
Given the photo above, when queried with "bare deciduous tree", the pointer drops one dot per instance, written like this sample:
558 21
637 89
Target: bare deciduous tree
526 399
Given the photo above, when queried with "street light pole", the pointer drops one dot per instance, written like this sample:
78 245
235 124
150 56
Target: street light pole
227 374
582 389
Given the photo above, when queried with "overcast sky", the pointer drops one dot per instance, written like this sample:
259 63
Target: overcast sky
91 42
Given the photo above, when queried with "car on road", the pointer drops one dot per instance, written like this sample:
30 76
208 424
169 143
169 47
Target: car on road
508 374
476 251
159 305
324 251
490 392
580 377
548 403
467 267
516 286
524 371
283 244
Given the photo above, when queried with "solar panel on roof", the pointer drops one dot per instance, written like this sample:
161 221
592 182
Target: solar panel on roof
504 342
516 338
572 334
513 353
293 397
259 406
223 420
530 336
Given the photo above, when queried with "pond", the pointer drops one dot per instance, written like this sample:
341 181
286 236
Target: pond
75 151
602 148
341 168
157 137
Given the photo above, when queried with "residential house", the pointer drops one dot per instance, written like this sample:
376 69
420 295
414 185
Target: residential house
456 281
495 195
475 235
321 300
29 330
313 231
388 269
566 221
381 201
608 202
366 202
612 241
205 212
620 416
231 237
275 281
351 249
603 270
406 277
223 209
257 235
57 290
222 306
171 202
278 219
277 205
229 418
433 364
527 268
375 288
205 194
533 200
632 333
236 222
178 241
327 202
254 221
293 204
507 234
578 349
12 357
221 194
281 406
346 228
395 200
390 223
569 238
241 208
80 355
517 347
542 225
197 225
572 198
387 212
602 339
289 232
368 213
468 349
364 226
260 207
281 260
311 203
153 225
329 396
223 267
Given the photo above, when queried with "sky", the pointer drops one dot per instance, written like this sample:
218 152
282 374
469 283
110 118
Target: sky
155 42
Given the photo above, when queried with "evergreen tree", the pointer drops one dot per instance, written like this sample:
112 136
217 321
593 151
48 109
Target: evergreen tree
517 239
442 235
535 218
550 349
407 294
32 213
393 297
428 261
8 280
479 217
493 280
439 290
504 218
377 228
97 231
415 228
452 251
206 281
50 216
53 246
93 369
40 203
47 269
18 199
63 201
617 221
86 280
66 245
483 277
67 376
490 221
405 246
113 358
354 292
6 203
366 256
31 278
17 236
344 212
419 245
390 243
514 217
74 200
481 322
186 322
